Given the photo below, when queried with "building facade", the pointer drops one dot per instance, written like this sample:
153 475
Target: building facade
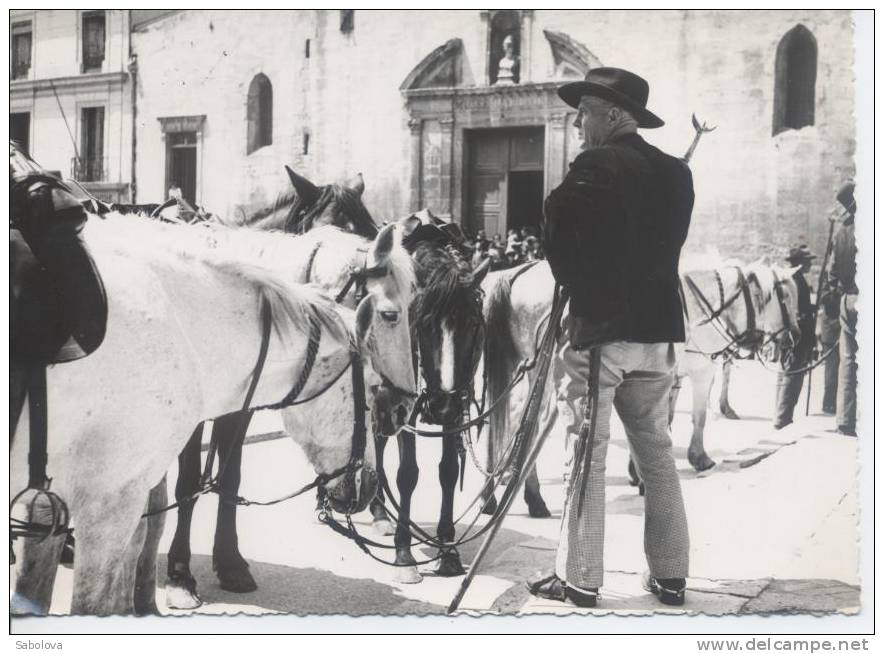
70 95
457 110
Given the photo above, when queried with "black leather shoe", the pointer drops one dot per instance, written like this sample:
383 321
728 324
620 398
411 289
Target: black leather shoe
668 591
553 588
847 431
782 423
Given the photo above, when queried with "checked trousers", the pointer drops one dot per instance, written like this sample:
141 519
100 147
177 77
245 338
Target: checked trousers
635 379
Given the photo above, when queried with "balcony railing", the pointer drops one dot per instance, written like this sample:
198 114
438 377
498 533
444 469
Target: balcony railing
89 169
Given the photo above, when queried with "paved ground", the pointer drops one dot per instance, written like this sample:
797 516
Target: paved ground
773 528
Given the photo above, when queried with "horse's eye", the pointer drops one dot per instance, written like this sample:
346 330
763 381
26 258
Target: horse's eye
390 316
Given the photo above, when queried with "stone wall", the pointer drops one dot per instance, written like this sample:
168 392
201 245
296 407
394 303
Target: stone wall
756 193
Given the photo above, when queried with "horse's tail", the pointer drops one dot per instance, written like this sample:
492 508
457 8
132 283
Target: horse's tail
501 357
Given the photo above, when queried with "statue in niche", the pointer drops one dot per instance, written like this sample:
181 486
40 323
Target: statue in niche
508 67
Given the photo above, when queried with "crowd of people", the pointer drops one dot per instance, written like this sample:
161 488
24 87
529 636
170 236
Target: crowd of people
519 246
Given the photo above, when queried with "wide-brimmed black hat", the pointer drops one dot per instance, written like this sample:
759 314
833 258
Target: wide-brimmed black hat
616 85
845 197
800 254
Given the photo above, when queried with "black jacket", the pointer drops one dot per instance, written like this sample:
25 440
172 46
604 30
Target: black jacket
613 233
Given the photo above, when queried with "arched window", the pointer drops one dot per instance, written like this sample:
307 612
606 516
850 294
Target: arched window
260 113
794 90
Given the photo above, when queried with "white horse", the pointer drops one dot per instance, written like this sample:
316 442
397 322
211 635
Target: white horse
183 337
728 310
325 256
517 305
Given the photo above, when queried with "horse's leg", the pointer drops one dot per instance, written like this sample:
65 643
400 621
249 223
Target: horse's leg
36 566
449 565
111 533
489 502
231 568
146 573
701 385
380 520
724 404
180 583
406 480
536 505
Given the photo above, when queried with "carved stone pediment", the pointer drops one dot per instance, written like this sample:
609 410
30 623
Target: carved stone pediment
440 69
571 58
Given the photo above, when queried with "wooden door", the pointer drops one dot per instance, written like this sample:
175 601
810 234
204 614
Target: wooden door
489 154
498 159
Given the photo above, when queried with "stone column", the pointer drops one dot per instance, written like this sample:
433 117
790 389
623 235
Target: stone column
414 127
446 127
556 151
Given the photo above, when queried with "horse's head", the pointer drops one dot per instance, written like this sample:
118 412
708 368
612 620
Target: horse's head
779 313
334 204
383 329
449 328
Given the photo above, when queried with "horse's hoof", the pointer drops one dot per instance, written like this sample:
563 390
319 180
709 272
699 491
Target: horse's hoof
407 575
236 580
490 506
450 565
538 509
701 462
729 413
179 596
383 527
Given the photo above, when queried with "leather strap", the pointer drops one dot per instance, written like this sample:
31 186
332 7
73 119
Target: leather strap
39 421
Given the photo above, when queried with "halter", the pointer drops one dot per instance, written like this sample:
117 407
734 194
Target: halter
359 277
749 337
465 392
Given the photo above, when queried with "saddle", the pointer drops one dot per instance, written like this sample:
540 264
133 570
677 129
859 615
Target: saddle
58 305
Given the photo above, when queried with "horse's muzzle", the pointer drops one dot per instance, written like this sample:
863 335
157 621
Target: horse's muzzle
443 408
391 410
353 493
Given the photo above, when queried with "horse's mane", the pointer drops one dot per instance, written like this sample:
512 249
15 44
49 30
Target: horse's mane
301 218
293 305
445 278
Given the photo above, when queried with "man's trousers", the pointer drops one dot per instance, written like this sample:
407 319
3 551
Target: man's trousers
634 378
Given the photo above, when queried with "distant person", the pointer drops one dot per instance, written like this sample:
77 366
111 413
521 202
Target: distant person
844 278
789 385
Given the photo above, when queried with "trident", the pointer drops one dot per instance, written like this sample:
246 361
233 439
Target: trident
700 130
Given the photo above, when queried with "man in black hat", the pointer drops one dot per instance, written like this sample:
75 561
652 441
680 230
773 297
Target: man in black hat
843 276
789 385
613 234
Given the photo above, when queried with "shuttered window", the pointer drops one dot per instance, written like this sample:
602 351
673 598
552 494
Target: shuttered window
21 50
93 41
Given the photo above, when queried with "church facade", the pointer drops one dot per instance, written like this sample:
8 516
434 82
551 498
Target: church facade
457 110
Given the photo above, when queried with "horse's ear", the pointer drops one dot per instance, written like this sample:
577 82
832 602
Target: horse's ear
409 224
480 272
307 190
357 183
364 317
382 246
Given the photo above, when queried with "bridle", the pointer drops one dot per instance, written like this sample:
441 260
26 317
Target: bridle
749 338
783 340
357 280
465 391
